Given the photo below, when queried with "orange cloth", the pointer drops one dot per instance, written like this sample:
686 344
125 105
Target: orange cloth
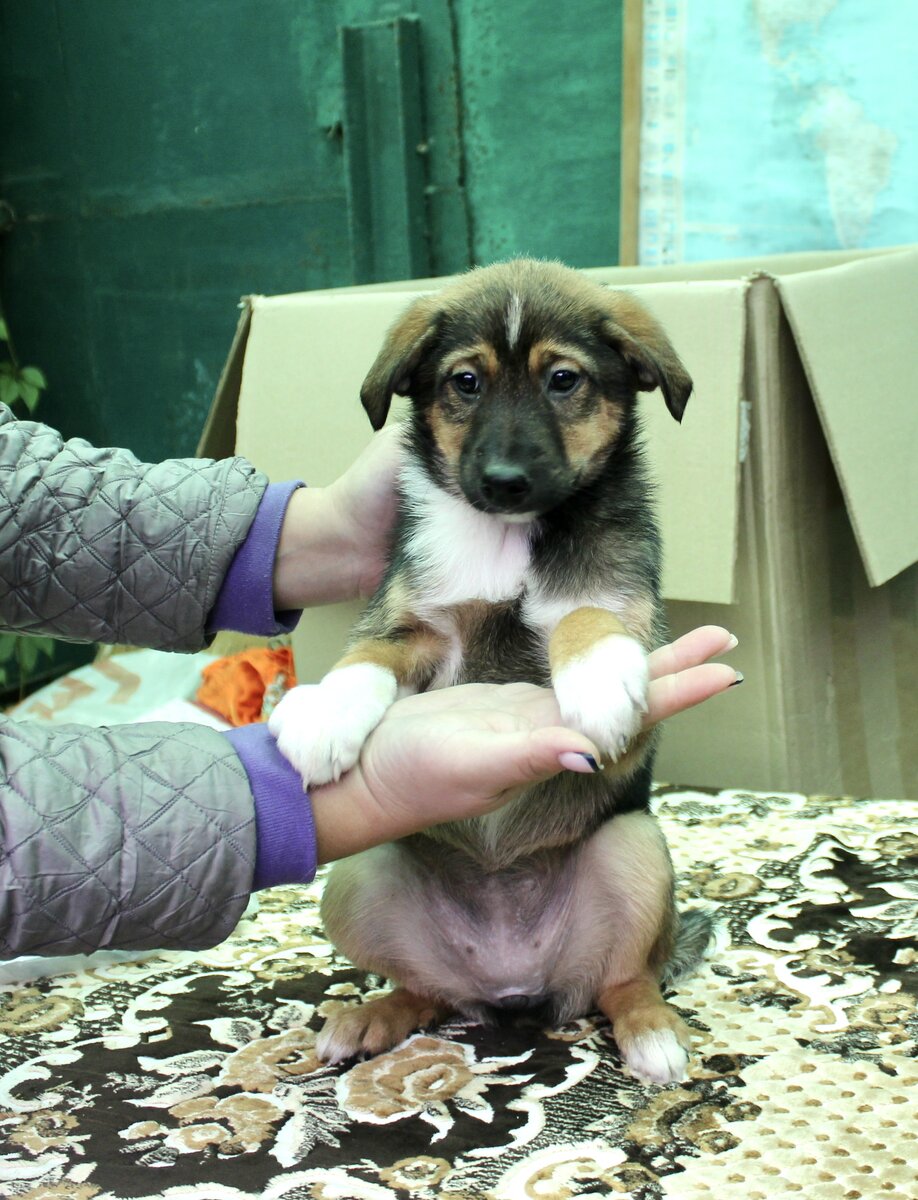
243 688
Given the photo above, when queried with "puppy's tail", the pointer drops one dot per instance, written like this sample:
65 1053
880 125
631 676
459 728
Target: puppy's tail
694 930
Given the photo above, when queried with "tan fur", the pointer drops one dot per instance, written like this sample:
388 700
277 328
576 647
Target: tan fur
403 346
596 937
480 356
542 355
410 659
588 439
379 1025
448 432
643 342
578 632
632 758
641 619
637 1009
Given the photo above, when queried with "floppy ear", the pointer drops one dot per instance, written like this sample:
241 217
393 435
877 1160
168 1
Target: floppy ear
401 352
640 340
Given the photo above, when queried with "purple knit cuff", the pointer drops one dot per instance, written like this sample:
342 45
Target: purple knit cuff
245 602
285 832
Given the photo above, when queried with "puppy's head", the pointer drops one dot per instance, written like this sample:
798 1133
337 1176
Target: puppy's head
523 379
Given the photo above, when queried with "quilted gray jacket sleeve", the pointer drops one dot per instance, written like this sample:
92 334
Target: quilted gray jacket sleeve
134 837
97 546
138 835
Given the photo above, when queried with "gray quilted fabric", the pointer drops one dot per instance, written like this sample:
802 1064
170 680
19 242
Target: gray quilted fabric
97 546
134 836
138 835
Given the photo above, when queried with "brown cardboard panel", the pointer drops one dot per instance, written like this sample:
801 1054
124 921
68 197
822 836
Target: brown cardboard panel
713 269
218 436
829 703
299 414
696 465
777 729
736 268
856 327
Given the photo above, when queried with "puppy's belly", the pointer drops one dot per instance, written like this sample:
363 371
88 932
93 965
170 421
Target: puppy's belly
469 938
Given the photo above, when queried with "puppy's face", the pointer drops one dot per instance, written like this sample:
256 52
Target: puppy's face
523 377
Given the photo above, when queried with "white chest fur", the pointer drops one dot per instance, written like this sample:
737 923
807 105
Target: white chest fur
461 553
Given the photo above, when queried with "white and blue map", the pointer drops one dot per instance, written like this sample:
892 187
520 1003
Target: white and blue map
778 125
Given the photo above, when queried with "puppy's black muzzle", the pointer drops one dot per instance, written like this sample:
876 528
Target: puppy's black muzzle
513 462
506 486
514 484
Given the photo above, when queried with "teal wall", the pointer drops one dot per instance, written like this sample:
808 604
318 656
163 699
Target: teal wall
163 159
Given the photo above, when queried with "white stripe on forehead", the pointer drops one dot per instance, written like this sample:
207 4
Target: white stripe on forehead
514 319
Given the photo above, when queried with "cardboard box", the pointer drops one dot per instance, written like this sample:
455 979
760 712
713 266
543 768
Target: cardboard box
788 497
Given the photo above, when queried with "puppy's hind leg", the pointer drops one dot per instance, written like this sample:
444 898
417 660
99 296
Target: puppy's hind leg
629 865
375 916
653 1039
377 1025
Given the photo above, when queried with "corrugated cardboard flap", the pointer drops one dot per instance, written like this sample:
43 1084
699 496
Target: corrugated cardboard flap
855 327
696 464
218 437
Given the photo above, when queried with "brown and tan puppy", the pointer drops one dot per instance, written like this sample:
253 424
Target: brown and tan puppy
526 549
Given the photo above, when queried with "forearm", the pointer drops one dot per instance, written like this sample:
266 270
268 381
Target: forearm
297 831
136 836
97 546
320 559
299 552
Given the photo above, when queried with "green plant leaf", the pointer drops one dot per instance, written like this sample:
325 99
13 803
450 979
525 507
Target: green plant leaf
4 332
29 394
33 376
45 646
9 388
28 655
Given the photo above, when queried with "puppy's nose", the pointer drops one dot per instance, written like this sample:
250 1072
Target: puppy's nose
505 484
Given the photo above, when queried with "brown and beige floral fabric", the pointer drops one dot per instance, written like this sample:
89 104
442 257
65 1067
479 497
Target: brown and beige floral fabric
186 1075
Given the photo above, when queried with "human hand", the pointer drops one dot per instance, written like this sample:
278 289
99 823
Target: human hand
464 751
335 539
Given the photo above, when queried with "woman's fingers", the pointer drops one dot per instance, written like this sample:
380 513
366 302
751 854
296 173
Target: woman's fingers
671 694
681 675
690 650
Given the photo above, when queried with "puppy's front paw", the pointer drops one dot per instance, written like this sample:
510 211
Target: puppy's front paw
320 728
604 692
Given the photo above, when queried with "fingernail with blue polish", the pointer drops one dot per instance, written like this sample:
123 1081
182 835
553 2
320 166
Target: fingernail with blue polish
577 760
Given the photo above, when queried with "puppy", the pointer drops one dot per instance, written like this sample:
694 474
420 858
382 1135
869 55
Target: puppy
525 549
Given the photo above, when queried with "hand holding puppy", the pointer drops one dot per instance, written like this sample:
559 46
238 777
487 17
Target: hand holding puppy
472 748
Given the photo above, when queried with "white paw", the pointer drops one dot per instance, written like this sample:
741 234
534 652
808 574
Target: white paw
320 728
656 1056
604 693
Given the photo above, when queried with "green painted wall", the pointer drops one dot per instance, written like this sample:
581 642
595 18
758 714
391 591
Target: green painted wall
541 104
162 159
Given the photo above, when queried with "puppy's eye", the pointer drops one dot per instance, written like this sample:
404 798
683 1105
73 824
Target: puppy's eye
465 383
563 382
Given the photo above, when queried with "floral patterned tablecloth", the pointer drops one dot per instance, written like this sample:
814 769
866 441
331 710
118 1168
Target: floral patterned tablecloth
194 1075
